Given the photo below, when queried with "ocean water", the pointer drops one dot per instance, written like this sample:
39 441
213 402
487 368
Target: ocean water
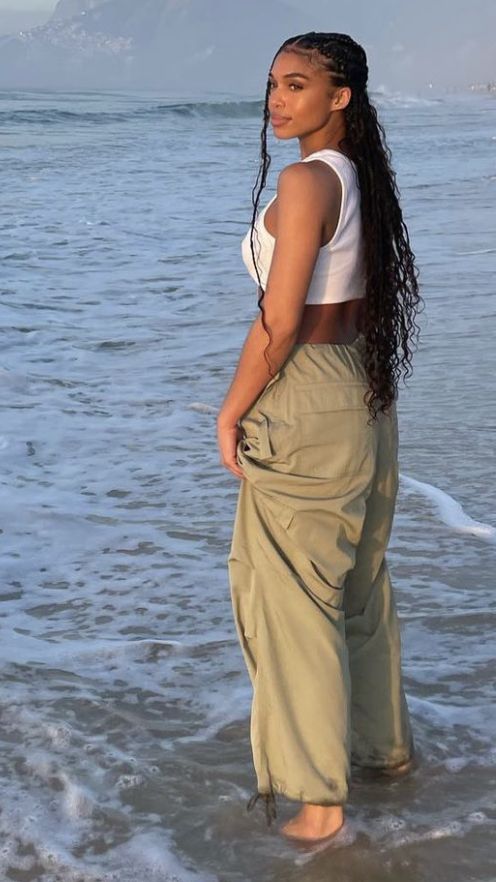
124 701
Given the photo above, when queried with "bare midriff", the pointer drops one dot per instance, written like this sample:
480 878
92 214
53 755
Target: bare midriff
331 322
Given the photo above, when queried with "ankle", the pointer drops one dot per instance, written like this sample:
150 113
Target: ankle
318 810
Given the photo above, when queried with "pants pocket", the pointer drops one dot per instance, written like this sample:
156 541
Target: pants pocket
305 535
334 444
332 436
324 434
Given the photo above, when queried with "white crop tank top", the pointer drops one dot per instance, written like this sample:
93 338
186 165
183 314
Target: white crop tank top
339 272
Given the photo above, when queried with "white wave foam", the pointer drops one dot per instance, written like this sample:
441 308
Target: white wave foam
24 649
201 407
384 96
146 853
450 510
478 251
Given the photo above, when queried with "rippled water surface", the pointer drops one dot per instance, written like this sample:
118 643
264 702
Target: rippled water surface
124 708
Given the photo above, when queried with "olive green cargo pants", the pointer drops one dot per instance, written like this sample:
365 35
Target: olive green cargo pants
310 587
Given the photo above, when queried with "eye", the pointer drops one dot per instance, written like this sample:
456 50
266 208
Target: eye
296 85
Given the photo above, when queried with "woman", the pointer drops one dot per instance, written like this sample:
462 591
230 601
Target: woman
312 432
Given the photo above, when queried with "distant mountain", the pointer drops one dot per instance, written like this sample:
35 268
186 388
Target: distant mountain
14 20
71 8
179 44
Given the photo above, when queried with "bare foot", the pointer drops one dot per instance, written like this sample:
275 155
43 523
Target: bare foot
314 822
397 771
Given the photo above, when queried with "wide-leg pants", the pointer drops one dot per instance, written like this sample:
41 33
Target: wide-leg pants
311 592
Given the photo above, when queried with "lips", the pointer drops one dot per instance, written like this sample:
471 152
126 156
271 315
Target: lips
277 120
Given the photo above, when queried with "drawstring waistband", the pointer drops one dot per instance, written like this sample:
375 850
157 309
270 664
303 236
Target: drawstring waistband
270 805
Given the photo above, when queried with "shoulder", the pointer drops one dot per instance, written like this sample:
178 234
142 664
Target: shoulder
296 178
307 182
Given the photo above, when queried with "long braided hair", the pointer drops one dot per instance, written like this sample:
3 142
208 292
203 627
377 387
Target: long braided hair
392 295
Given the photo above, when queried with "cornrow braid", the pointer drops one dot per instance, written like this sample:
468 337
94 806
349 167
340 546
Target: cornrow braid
392 296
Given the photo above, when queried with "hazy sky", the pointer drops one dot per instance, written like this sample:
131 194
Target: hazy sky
16 5
408 42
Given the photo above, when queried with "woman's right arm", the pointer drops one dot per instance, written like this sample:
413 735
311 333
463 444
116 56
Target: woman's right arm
299 228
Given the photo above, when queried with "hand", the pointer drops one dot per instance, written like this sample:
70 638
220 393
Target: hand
227 439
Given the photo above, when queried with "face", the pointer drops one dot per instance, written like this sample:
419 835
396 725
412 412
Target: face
302 100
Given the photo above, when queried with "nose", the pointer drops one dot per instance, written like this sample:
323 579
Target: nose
276 103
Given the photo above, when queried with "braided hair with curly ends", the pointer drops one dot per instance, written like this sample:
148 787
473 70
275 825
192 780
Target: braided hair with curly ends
392 295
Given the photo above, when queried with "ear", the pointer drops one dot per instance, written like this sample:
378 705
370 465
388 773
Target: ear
341 98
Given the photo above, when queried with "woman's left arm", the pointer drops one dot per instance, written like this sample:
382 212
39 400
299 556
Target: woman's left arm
300 212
